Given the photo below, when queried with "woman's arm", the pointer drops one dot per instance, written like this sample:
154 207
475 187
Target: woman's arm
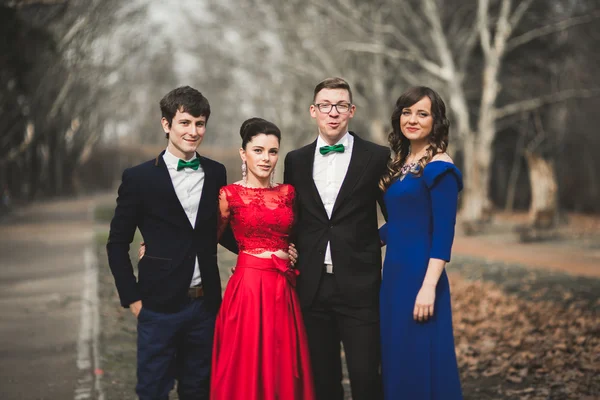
224 213
383 233
292 251
444 203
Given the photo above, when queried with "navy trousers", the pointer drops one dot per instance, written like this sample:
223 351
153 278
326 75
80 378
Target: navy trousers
175 347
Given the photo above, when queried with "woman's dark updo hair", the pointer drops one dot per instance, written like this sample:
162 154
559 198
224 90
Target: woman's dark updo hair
400 145
255 126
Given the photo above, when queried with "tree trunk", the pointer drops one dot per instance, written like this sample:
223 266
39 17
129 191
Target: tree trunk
377 132
379 108
544 199
476 206
514 174
460 109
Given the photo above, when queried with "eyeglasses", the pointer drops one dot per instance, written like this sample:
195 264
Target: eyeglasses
326 108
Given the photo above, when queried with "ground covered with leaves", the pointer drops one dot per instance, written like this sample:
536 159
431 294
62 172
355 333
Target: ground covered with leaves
519 333
525 334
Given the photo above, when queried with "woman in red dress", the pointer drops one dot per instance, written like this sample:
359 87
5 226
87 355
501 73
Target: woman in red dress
260 347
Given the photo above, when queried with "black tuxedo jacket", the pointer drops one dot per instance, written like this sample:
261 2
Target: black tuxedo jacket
147 200
352 229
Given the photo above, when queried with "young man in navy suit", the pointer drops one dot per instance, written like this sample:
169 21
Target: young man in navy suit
173 201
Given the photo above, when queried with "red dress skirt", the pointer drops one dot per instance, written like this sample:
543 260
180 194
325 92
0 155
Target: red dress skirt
260 348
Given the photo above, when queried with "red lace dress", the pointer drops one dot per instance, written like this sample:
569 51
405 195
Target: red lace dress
260 348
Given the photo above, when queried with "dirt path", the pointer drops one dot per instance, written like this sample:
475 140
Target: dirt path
42 260
554 256
46 254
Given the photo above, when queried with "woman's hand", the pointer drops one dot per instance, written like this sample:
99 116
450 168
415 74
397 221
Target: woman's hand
142 250
293 254
424 303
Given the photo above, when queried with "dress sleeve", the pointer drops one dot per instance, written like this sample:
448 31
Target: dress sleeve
224 212
444 183
383 234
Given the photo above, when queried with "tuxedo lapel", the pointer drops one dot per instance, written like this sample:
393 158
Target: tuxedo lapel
207 205
308 183
358 162
165 184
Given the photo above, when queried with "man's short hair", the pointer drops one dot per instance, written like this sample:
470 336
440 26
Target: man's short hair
184 99
332 83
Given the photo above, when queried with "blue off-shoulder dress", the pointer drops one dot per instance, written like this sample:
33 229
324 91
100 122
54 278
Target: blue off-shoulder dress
418 358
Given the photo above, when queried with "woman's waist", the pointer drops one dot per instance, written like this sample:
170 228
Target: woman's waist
261 252
263 257
272 264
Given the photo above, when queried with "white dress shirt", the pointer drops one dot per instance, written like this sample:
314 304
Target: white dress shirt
329 172
188 186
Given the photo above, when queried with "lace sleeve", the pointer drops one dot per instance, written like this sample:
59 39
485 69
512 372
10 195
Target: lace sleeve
291 194
224 213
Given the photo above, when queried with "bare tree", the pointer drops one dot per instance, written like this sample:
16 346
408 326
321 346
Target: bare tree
450 36
62 91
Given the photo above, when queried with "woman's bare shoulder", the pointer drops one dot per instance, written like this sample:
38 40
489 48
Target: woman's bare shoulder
443 157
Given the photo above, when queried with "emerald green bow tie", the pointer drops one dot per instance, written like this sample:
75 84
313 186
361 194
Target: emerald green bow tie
336 148
193 164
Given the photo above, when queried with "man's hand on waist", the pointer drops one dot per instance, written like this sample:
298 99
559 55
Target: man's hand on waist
136 307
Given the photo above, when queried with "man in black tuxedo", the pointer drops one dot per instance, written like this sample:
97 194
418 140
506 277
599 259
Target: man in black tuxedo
336 179
173 201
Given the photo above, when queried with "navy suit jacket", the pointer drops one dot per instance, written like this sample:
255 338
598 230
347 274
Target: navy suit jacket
147 200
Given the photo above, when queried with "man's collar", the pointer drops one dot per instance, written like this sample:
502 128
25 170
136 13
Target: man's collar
345 140
172 160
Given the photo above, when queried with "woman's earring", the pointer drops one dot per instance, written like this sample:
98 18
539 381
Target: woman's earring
244 172
272 180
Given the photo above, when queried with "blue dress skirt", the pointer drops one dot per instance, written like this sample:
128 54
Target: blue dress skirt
418 358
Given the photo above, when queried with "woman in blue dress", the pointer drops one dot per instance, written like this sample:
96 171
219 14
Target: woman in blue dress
421 195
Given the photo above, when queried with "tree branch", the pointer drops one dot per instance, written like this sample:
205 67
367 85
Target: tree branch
375 48
75 28
25 3
440 41
484 31
301 69
503 28
413 18
353 24
537 102
402 39
27 141
467 49
549 29
519 12
62 96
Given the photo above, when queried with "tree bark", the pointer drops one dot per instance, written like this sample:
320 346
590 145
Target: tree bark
514 174
476 206
544 199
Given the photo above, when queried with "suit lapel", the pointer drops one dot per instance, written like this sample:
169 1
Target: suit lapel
358 162
165 183
307 178
207 205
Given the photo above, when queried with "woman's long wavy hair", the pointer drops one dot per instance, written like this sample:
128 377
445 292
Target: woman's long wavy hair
400 145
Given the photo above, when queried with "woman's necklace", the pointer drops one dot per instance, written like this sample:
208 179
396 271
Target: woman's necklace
410 166
406 168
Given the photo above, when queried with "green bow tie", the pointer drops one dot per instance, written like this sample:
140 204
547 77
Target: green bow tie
193 164
336 148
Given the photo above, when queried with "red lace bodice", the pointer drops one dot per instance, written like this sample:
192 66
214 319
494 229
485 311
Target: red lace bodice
261 218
